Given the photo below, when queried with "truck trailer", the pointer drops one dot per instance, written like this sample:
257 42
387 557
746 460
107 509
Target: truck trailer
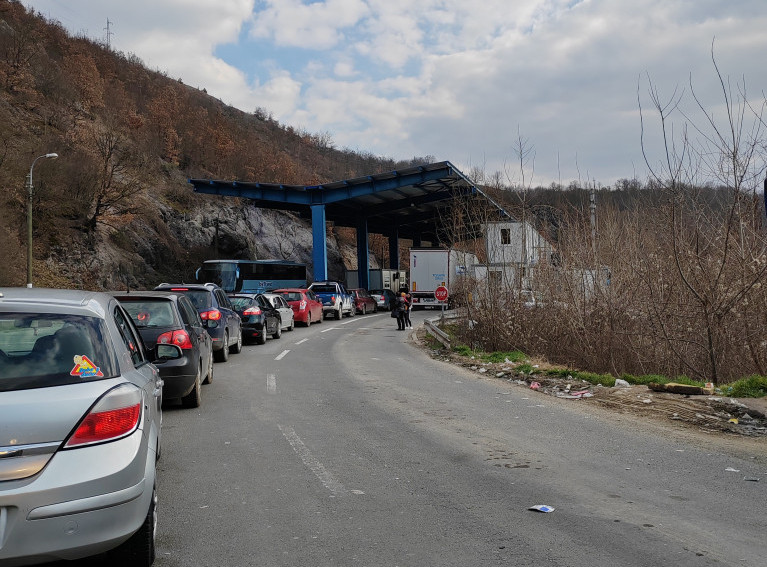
431 268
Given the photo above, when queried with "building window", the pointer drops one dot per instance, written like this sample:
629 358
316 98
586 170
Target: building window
505 236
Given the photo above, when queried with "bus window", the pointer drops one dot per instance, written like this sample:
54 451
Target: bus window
252 276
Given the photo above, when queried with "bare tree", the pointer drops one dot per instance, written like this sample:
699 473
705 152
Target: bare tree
715 253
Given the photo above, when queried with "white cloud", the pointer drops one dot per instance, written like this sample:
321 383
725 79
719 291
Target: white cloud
453 78
279 95
317 25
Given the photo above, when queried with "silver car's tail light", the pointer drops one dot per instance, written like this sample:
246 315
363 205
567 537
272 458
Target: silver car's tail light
116 415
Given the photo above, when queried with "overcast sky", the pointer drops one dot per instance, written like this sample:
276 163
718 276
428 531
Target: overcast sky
461 80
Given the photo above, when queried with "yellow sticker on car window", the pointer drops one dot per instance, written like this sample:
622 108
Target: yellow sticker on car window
85 368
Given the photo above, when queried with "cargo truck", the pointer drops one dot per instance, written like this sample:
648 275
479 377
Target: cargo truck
431 268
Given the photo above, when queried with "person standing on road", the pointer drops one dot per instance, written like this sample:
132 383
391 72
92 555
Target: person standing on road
409 300
401 308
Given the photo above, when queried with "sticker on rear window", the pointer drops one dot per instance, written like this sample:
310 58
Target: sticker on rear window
84 368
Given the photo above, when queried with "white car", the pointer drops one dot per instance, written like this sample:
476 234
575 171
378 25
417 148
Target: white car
80 417
286 311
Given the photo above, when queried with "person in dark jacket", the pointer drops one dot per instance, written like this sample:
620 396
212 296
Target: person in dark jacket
409 299
401 306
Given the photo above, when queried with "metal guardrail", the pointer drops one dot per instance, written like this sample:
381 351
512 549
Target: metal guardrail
433 329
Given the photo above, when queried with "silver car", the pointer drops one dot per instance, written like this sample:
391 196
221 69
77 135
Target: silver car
80 416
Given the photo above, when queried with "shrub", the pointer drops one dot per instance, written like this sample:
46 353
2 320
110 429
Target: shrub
751 387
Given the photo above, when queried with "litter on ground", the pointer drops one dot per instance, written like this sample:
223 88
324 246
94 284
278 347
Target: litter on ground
541 508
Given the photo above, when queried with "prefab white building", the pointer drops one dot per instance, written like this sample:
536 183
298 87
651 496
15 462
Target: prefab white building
513 250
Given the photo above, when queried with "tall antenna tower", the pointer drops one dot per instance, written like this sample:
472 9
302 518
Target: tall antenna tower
108 29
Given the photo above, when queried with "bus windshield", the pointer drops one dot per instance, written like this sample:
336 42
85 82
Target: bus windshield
252 276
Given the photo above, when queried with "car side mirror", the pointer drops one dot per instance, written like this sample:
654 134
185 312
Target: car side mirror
168 352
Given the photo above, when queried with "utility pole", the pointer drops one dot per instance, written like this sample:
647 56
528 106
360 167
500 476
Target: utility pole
109 34
215 238
30 189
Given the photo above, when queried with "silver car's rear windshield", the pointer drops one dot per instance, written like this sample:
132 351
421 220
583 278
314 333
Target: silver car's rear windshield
39 350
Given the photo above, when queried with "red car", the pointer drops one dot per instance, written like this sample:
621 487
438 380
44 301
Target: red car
306 308
363 301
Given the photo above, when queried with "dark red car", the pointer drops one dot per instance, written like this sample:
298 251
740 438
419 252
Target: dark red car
363 301
306 308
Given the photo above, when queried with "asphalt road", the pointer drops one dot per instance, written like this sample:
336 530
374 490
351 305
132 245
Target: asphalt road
343 445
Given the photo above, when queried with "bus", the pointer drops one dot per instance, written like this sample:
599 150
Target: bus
252 276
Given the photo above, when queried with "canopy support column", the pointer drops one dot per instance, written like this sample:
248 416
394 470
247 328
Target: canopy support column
394 248
319 243
363 255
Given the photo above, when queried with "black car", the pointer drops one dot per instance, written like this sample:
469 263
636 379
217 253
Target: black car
259 317
170 318
219 318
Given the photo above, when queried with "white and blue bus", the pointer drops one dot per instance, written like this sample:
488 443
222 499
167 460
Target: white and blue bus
252 276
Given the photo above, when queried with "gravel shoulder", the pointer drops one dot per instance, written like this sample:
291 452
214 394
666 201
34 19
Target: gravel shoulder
737 425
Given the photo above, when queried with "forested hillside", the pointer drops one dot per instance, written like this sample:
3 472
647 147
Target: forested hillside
115 209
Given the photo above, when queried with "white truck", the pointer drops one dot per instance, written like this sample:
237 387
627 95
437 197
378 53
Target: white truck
434 267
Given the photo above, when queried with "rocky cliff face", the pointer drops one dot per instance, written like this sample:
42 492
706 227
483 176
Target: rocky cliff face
169 240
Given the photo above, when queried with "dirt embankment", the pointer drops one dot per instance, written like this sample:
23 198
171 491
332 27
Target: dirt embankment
712 414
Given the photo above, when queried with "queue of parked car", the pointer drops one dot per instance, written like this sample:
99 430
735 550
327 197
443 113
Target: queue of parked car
98 367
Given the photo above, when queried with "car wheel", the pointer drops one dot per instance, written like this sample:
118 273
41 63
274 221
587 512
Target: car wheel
364 309
292 325
138 550
278 330
320 319
261 339
222 355
194 398
339 314
237 348
309 319
209 375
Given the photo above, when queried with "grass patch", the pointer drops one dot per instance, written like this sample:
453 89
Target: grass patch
751 387
526 368
562 372
512 356
645 379
607 380
432 342
463 350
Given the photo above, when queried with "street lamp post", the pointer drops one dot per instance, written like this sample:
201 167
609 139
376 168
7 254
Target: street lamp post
29 216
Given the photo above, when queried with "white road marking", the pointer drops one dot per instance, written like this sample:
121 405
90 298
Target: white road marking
271 383
281 355
302 341
327 479
330 329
